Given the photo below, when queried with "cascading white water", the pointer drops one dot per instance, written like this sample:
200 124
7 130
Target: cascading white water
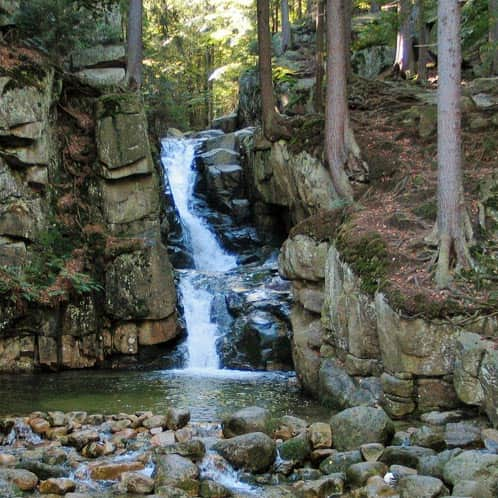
177 158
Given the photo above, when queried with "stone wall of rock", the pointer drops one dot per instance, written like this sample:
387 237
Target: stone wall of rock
284 188
350 348
80 171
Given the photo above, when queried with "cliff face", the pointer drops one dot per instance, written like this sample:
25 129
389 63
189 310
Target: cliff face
84 272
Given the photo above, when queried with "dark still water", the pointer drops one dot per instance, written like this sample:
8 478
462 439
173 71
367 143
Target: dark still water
209 394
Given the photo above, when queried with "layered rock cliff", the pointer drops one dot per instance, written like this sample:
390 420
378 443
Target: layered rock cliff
84 272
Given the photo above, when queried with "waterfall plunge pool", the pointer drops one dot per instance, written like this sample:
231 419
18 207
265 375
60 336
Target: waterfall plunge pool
210 394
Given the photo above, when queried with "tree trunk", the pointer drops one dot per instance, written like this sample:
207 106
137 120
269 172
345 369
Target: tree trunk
134 45
299 9
348 13
320 39
493 34
403 56
273 129
451 220
336 117
286 30
309 7
423 53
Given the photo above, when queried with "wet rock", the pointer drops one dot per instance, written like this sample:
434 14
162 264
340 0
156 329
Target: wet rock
320 435
331 485
463 435
194 449
360 425
340 461
297 449
405 455
79 439
212 489
154 421
358 474
247 420
163 439
112 471
136 483
169 492
421 487
57 486
7 460
218 157
176 418
288 427
338 390
97 449
433 465
254 452
43 470
371 452
177 472
473 466
377 487
39 425
429 437
23 479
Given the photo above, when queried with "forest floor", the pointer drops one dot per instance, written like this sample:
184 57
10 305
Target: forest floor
396 129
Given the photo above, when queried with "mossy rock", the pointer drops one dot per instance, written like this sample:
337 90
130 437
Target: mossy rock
320 227
119 103
297 448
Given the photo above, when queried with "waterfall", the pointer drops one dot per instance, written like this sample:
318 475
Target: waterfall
177 158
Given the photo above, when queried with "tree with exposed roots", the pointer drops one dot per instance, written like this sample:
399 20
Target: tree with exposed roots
134 46
273 126
341 150
453 224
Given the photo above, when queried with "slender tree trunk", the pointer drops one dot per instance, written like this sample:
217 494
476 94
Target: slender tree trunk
403 43
286 29
273 128
337 107
348 13
493 34
309 7
134 45
299 9
320 45
451 220
423 53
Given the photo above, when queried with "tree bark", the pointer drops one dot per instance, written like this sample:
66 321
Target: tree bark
348 13
423 53
451 220
286 30
320 39
273 129
403 56
337 111
134 45
493 34
299 9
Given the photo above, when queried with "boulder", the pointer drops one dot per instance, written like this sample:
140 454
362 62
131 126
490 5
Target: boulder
98 55
340 461
289 427
57 486
136 483
140 285
103 79
488 376
320 435
474 466
359 425
331 485
246 420
218 157
338 390
176 418
297 449
254 452
113 471
405 455
23 479
416 486
177 472
358 474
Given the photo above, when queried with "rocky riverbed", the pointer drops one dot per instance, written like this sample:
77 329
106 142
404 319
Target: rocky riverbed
356 453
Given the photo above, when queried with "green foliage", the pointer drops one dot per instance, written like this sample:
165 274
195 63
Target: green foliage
58 26
52 250
381 30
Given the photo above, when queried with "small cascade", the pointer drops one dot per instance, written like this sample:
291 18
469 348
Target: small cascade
208 256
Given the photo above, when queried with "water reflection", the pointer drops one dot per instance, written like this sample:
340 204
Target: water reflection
209 394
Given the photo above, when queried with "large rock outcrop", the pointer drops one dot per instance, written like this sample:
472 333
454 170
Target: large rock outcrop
85 274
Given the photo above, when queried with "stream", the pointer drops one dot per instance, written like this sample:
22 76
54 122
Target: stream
208 385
